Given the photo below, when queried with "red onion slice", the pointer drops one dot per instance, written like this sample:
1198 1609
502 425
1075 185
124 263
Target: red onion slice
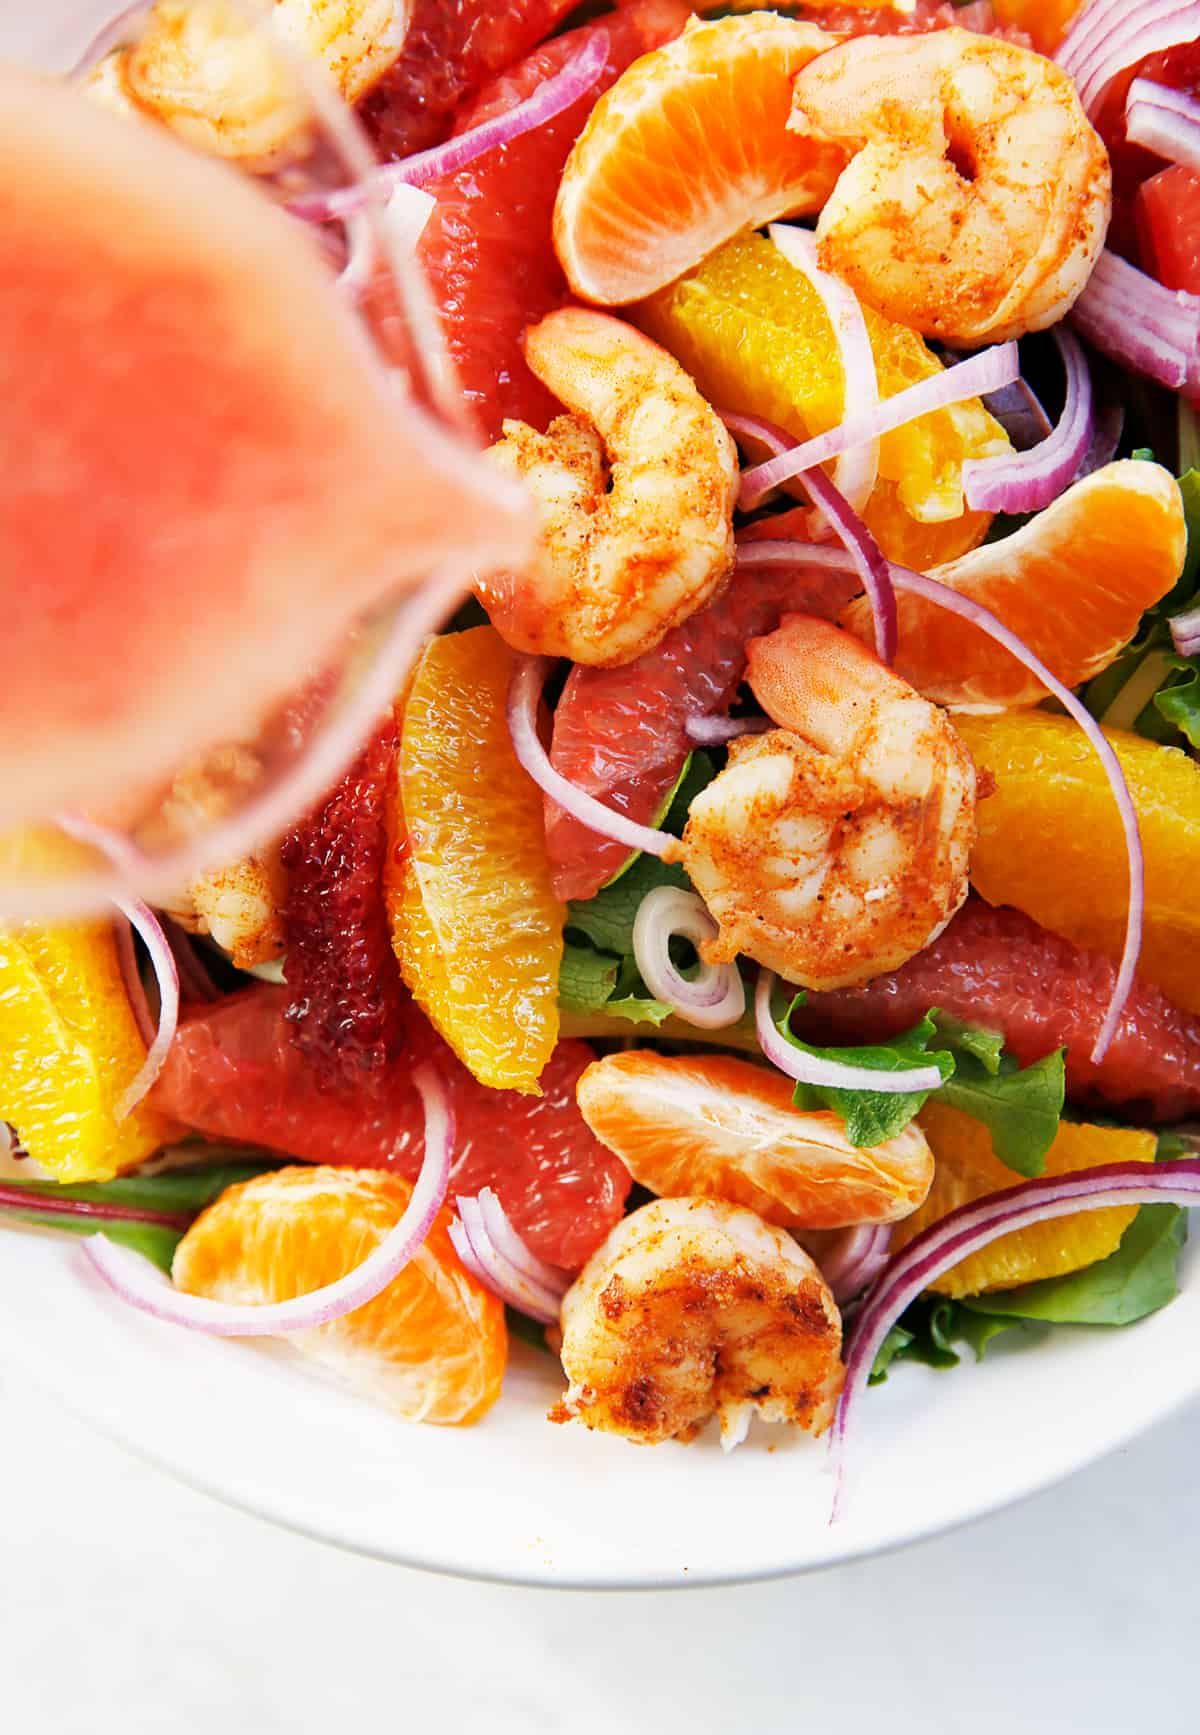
554 95
195 983
718 731
1185 631
138 1283
1140 324
487 1255
524 694
142 919
817 554
1027 481
1164 121
849 528
850 1259
1124 38
857 469
115 34
831 1074
975 1226
131 977
985 372
1020 414
716 996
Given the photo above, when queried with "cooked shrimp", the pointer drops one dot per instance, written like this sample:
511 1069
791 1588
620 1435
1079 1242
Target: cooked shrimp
694 1308
635 489
201 68
979 197
835 847
241 904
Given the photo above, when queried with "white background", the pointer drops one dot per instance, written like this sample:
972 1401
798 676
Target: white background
129 1604
133 1606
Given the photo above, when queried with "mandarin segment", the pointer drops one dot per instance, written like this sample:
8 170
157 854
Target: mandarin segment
689 147
753 333
720 1128
1073 584
1051 843
432 1346
475 923
967 1170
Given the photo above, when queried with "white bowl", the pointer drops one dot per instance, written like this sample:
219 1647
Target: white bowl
518 1499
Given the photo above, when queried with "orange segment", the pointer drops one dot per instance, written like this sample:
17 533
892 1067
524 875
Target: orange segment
1050 840
432 1346
1045 22
687 148
967 1170
1073 583
722 1128
69 1044
475 923
754 335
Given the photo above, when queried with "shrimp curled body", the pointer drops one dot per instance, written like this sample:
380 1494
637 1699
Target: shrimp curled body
978 199
205 71
835 847
693 1308
635 489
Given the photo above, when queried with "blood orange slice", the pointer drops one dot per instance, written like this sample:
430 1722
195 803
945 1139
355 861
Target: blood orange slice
487 247
621 734
233 1073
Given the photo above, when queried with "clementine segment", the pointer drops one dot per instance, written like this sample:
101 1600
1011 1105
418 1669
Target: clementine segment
721 1128
1050 840
432 1346
475 923
967 1170
689 147
1073 583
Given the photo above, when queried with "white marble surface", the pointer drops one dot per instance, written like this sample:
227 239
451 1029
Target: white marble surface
132 1605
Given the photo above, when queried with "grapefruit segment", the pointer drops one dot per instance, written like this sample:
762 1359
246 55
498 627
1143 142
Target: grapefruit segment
487 248
999 969
205 484
432 1346
233 1073
689 148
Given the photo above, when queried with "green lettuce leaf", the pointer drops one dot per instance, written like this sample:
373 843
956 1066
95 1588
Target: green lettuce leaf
871 1116
587 979
1021 1107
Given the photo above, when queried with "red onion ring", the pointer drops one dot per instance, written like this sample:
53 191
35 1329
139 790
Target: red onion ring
194 980
1185 631
717 731
141 918
112 35
849 528
131 976
985 372
524 694
551 98
851 1259
974 1226
716 996
1164 121
10 1143
1017 409
857 469
830 1074
1027 481
1140 324
1149 27
817 554
516 1282
138 1283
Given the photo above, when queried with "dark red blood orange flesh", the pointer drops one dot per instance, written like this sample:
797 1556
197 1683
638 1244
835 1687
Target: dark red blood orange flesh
999 969
233 1073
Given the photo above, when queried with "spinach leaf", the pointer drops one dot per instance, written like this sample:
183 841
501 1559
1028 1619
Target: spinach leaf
1178 703
1020 1106
586 979
871 1116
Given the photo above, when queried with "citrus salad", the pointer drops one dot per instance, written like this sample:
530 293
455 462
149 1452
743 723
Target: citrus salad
757 943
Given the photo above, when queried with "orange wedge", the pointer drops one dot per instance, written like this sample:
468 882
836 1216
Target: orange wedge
967 1170
1073 583
721 1128
432 1346
687 148
1045 22
476 927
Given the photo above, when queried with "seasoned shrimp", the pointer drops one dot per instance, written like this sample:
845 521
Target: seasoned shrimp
979 197
635 489
694 1308
835 847
241 904
200 67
